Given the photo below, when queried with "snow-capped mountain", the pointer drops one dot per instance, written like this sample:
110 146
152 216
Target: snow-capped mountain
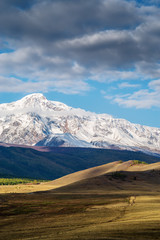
63 140
35 120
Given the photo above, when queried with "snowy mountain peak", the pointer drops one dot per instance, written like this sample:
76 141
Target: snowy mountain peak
34 97
33 101
35 119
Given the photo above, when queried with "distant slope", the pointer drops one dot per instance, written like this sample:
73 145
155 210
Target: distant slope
110 168
104 179
29 163
108 178
133 183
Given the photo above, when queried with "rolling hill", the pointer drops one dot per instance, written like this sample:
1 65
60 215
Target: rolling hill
30 163
130 176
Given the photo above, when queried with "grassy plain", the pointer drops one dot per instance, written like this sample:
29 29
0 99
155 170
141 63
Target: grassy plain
48 215
104 206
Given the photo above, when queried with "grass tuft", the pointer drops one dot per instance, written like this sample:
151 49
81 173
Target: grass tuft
138 162
15 181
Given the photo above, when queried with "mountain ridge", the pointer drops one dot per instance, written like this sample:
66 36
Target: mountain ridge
34 118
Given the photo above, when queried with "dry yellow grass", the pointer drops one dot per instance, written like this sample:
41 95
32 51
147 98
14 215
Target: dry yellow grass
91 204
51 216
81 175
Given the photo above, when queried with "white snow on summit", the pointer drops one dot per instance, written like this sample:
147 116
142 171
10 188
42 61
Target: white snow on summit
63 140
34 118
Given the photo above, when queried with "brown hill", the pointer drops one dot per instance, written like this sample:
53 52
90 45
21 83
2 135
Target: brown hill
127 176
130 175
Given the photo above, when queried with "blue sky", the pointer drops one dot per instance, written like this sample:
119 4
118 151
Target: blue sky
100 55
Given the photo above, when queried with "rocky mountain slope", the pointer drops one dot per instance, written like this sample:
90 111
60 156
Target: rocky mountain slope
35 120
63 140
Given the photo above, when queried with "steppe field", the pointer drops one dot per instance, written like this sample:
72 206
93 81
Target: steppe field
112 205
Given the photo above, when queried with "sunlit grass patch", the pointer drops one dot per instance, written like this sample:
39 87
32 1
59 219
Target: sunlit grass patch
15 181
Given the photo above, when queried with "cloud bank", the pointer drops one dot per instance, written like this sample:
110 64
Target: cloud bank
64 45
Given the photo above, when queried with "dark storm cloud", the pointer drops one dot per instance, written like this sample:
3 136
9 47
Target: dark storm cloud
65 42
109 48
19 3
51 20
114 33
46 23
